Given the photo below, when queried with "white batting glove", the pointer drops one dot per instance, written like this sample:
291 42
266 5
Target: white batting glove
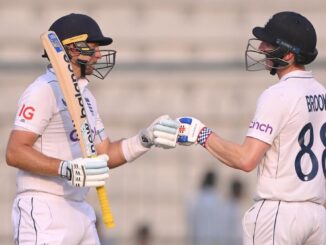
85 172
163 132
192 131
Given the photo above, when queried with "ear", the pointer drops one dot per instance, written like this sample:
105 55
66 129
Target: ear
289 57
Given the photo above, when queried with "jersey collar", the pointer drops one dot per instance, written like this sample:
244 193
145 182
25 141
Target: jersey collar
297 74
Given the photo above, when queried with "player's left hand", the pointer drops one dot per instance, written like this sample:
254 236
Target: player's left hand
85 172
163 132
192 131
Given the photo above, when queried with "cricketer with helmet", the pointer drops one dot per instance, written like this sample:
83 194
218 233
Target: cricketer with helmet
286 138
50 206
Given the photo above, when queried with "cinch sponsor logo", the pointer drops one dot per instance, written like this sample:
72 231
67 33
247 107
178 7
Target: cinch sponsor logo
316 102
27 112
261 127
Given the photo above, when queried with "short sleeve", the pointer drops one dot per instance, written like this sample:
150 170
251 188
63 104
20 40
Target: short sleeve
270 116
100 133
35 108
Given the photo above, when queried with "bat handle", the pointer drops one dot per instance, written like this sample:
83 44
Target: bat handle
105 206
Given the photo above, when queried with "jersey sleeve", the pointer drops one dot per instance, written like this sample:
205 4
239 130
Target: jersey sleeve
270 116
100 133
35 108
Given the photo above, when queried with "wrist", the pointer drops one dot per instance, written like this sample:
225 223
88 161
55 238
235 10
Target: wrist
203 135
64 170
145 138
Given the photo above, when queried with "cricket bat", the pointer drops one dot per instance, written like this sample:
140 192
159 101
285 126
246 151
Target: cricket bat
72 95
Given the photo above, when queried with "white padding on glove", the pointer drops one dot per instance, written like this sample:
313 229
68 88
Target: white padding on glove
85 172
163 132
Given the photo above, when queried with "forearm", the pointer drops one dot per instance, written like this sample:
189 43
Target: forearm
29 159
231 154
114 151
245 156
122 151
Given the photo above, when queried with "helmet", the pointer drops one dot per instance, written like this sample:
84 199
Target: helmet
80 29
292 32
68 28
287 32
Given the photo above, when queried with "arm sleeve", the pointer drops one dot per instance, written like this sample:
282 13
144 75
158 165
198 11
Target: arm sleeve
100 133
35 108
270 116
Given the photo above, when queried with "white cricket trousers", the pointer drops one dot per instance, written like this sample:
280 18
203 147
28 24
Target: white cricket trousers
284 223
44 219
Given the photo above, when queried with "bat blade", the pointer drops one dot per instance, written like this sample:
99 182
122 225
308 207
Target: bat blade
72 95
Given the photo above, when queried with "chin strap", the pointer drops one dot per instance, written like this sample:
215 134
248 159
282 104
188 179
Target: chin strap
279 62
273 70
82 64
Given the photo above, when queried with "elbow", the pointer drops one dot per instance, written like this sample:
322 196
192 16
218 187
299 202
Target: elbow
247 166
10 158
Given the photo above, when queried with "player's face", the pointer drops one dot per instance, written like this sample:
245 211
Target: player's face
267 48
91 60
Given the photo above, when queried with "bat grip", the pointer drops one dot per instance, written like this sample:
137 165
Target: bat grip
105 206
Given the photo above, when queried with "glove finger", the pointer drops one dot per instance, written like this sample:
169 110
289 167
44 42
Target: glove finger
164 135
157 120
94 183
103 157
95 171
165 143
95 163
163 117
159 127
97 177
169 123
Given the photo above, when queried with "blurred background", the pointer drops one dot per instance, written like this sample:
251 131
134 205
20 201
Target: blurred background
176 57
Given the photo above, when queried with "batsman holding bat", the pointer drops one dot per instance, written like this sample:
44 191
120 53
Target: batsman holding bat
286 138
53 177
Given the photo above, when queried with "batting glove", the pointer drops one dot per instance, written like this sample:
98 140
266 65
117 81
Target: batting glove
85 172
163 132
192 131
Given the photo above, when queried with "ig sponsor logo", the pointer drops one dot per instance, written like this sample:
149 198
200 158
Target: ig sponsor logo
27 112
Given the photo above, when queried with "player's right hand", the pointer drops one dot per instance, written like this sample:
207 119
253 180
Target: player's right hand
192 131
85 172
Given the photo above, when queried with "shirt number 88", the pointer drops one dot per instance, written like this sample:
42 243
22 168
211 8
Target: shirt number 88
306 149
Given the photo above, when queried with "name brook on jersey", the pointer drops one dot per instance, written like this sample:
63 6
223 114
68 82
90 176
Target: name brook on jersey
316 102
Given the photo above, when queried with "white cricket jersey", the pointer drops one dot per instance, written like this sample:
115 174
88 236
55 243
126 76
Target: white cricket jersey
291 117
43 111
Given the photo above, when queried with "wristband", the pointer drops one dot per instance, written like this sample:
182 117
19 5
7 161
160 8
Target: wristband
132 148
203 136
